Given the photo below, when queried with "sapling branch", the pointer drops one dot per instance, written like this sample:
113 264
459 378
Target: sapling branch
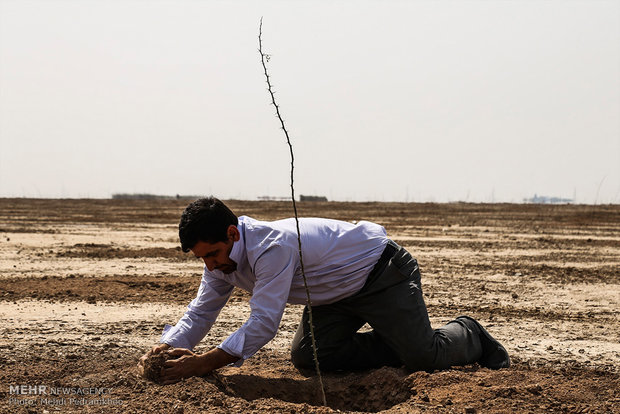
264 58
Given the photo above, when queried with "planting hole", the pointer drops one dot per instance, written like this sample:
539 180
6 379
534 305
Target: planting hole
371 391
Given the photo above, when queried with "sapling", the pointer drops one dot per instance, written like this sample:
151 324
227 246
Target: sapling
264 58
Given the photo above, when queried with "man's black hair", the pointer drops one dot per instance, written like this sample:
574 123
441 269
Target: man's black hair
207 220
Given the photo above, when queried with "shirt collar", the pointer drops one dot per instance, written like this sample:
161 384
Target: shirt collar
238 250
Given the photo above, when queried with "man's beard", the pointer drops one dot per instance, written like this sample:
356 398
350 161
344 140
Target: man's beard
227 268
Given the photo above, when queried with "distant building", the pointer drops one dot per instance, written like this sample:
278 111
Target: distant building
312 198
548 200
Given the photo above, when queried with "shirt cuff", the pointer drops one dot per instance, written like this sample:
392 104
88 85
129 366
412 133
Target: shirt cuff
233 345
171 336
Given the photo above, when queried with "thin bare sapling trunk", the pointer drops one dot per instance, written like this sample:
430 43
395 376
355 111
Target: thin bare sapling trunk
264 58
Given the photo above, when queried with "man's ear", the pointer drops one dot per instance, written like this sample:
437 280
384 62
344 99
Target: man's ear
233 233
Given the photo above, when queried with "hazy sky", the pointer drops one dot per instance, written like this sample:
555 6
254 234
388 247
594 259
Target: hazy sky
384 100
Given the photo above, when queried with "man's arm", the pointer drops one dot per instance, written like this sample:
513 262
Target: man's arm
200 314
197 320
274 271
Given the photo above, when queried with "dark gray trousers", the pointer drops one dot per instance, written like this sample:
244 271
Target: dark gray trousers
391 302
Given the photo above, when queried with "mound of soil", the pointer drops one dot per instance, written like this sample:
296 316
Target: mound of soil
154 364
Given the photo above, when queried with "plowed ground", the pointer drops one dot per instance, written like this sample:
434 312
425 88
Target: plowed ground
87 285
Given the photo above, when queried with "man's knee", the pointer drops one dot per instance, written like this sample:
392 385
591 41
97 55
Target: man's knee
302 357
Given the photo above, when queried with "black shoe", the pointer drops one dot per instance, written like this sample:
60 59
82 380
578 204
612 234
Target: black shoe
494 355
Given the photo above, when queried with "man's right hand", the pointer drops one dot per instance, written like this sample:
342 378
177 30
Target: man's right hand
155 350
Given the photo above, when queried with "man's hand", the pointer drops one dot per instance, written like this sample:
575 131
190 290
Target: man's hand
188 364
183 363
155 350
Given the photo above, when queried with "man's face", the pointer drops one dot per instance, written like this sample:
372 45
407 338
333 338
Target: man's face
217 255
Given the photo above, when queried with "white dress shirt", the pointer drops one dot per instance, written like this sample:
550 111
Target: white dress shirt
338 256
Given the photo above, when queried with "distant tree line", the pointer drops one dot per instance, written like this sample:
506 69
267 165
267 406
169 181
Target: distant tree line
145 196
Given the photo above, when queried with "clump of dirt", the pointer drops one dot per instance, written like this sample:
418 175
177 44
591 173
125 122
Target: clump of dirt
153 365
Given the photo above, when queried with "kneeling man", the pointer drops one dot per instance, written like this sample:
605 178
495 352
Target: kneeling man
355 274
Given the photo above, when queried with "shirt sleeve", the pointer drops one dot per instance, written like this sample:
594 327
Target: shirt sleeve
200 314
274 272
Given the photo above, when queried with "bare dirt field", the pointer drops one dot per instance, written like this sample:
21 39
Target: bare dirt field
87 285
